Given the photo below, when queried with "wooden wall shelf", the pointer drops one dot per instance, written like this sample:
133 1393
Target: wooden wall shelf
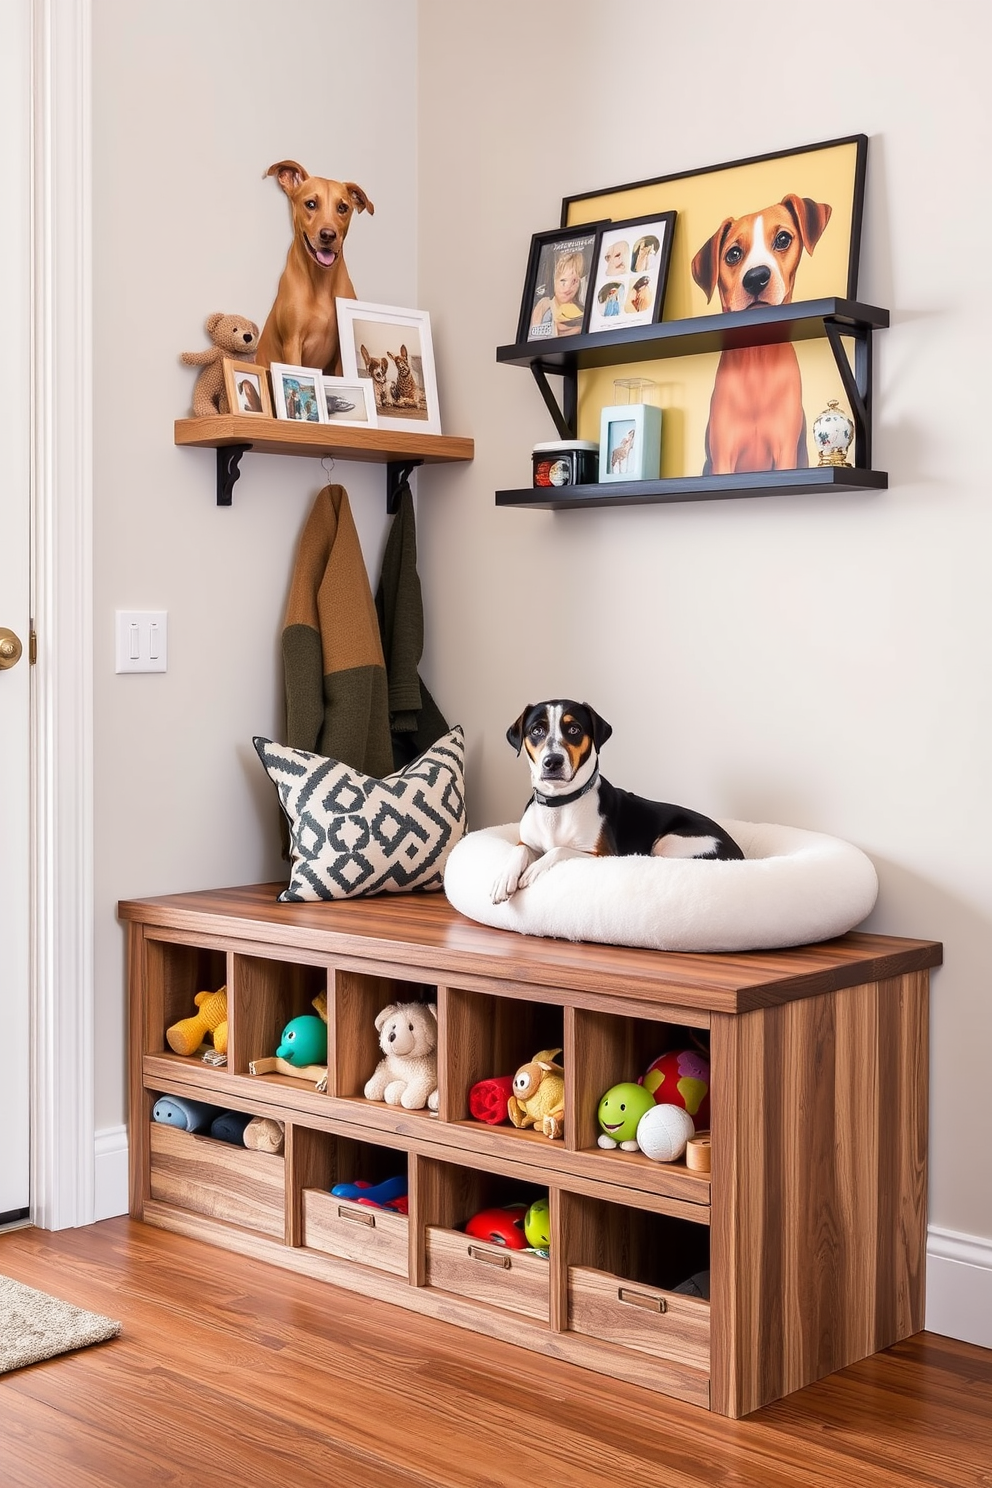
813 1220
232 435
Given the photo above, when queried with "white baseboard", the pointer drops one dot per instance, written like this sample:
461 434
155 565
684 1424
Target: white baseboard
959 1286
110 1188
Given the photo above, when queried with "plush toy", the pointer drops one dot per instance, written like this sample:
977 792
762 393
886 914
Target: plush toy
230 1126
681 1077
663 1131
538 1097
487 1100
302 1050
407 1075
233 336
187 1115
620 1110
264 1134
186 1036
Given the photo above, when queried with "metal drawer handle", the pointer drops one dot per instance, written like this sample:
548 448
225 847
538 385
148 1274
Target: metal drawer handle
642 1299
490 1257
357 1216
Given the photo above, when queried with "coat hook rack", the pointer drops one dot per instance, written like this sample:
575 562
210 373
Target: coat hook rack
397 474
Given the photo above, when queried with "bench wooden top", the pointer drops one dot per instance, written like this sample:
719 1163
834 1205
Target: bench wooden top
422 932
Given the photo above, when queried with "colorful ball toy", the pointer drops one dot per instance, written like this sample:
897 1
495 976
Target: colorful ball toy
682 1078
620 1109
537 1224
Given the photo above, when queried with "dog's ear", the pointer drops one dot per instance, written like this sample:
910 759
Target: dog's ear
365 356
706 264
289 175
387 1012
601 730
810 217
359 200
515 733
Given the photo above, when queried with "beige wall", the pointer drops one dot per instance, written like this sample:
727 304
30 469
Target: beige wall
819 660
192 103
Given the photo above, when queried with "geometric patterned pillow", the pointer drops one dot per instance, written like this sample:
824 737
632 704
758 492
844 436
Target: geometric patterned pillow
353 834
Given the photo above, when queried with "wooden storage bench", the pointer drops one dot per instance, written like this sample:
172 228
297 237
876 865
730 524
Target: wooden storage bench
812 1222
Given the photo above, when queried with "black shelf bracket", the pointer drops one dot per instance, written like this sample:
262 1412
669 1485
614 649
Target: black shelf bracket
857 383
564 415
228 470
397 475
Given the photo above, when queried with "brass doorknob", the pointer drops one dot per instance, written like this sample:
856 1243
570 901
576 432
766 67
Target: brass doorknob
10 648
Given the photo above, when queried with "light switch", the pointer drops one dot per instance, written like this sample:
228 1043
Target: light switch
142 640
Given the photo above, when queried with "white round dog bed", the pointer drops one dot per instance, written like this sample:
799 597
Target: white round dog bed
794 888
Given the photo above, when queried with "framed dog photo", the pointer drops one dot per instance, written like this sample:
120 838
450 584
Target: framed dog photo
391 350
630 442
631 272
299 393
247 388
351 403
555 301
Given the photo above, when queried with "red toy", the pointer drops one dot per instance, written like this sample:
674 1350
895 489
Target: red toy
487 1100
500 1226
682 1078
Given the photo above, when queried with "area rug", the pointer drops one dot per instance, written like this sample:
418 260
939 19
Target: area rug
35 1326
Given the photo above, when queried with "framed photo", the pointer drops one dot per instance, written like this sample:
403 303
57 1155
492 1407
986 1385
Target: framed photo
631 272
351 403
298 393
556 289
247 388
630 442
391 350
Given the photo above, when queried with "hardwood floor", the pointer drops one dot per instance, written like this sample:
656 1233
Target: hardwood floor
233 1373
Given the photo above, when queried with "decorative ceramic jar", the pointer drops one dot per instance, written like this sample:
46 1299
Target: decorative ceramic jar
833 432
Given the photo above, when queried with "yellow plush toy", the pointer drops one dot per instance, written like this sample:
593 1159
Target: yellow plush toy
538 1097
186 1036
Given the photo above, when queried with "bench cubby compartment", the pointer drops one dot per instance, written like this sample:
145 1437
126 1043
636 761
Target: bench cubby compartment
484 1036
228 1183
266 994
175 974
358 999
621 1265
512 1280
340 1227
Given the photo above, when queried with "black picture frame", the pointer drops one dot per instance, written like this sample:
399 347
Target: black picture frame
547 250
630 275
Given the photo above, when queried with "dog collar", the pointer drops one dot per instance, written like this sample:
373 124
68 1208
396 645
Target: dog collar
566 800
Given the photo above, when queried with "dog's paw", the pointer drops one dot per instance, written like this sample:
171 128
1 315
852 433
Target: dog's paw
513 875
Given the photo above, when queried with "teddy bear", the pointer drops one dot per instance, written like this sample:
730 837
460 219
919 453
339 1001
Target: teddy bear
407 1075
233 336
186 1036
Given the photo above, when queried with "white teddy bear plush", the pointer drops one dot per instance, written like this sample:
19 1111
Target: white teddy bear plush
407 1076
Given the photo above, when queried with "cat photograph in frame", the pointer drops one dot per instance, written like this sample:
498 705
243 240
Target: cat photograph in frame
631 272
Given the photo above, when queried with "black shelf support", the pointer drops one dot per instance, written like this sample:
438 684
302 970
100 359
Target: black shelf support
564 415
857 383
397 475
228 470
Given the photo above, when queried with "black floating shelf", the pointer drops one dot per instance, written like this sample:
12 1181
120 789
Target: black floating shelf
765 325
697 488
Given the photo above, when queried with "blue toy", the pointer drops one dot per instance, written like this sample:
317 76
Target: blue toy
187 1115
373 1193
229 1126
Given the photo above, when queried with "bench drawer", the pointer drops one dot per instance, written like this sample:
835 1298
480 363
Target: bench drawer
512 1279
666 1324
216 1178
372 1237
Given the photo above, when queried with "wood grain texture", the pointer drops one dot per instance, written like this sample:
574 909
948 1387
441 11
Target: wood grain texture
818 1186
423 933
509 1279
216 1178
284 437
368 1237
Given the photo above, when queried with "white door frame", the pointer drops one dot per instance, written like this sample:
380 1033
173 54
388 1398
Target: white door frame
61 868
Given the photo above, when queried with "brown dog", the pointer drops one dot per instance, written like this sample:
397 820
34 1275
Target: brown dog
378 370
756 413
302 327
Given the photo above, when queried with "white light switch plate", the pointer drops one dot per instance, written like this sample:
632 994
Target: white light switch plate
142 640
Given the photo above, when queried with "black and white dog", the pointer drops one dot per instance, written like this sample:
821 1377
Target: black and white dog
574 812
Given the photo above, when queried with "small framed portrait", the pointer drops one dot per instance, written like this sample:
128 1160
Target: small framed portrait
629 442
556 290
390 350
350 402
298 393
247 388
631 272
